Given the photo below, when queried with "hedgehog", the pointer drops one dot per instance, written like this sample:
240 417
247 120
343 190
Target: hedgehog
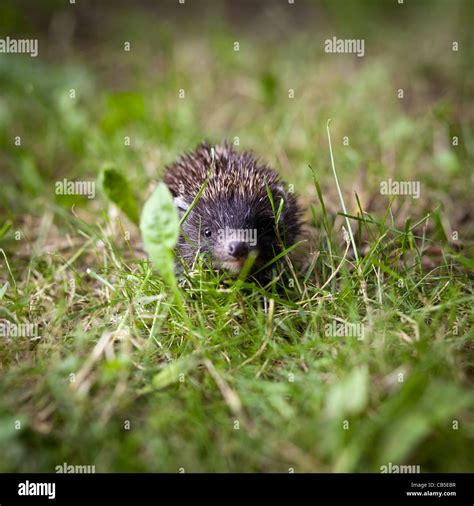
234 218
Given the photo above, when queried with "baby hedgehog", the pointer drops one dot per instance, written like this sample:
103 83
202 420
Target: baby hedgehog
234 215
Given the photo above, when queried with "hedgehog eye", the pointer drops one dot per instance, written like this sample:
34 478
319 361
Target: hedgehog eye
207 232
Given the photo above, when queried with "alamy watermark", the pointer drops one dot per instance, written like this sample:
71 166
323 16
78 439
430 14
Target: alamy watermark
347 46
66 187
9 329
410 188
339 329
74 469
34 488
27 46
247 235
399 469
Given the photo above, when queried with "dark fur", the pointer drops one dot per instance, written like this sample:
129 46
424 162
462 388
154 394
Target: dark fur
235 197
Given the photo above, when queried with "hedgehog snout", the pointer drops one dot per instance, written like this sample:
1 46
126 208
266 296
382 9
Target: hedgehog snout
238 249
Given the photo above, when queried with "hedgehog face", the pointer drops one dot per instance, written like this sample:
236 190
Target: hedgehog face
230 246
229 231
234 217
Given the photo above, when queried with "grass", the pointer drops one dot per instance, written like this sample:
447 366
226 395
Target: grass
248 378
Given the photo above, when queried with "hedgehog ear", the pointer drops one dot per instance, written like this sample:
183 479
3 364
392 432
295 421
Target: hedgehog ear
181 204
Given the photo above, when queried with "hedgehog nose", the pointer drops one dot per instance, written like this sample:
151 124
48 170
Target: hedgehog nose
238 249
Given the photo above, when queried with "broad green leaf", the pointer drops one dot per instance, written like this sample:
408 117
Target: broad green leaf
159 225
117 190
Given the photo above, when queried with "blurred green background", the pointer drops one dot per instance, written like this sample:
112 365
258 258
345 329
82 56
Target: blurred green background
242 94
